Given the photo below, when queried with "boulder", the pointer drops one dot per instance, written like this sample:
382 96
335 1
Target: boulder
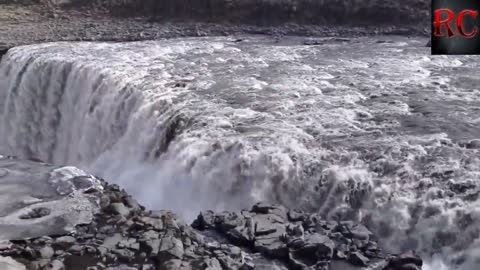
408 260
205 220
170 248
64 241
227 221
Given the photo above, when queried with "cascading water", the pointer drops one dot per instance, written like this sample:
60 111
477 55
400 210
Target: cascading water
357 129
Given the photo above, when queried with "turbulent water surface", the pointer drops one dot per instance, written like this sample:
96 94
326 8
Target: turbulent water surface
370 129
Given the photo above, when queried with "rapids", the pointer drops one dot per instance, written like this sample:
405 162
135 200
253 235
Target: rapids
375 129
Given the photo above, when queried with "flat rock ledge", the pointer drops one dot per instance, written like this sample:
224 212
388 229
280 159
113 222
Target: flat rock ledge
124 236
304 241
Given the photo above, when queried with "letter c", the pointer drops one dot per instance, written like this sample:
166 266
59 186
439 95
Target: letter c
460 18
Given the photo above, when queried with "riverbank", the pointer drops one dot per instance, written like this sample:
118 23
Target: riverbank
22 24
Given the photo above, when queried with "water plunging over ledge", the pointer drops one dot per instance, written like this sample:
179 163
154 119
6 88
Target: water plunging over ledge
367 129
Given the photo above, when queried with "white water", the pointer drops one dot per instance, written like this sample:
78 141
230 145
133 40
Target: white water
361 129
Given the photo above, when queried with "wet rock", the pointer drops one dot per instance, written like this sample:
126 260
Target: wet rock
262 208
408 260
294 216
55 265
302 241
205 220
119 209
312 249
272 244
358 259
227 221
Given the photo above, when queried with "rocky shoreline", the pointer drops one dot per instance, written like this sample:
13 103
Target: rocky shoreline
124 235
304 241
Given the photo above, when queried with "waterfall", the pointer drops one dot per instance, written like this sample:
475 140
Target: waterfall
108 119
207 123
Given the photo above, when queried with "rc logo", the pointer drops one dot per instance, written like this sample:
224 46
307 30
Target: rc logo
455 27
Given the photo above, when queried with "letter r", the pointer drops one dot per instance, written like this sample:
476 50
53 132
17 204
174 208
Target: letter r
438 22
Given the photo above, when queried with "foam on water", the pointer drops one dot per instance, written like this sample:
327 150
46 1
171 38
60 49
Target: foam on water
366 130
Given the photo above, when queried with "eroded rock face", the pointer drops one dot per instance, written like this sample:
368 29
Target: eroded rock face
304 241
39 199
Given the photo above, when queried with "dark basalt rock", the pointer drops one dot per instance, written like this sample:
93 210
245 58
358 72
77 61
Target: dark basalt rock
303 241
357 258
3 49
206 220
406 261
